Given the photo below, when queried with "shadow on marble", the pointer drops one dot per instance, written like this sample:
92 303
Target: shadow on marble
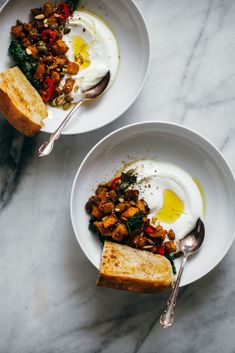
15 151
109 315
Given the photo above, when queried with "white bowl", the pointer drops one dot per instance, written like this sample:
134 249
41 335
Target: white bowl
174 144
131 32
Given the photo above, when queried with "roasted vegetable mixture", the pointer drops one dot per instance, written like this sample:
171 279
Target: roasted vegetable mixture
40 52
119 215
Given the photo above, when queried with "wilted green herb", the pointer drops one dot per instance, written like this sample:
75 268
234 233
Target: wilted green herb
72 4
26 63
127 179
94 229
171 259
135 222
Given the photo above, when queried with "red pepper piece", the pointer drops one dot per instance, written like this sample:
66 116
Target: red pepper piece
150 230
161 250
114 183
48 36
47 93
64 11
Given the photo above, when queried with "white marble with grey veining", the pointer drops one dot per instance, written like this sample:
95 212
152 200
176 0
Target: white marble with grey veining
48 299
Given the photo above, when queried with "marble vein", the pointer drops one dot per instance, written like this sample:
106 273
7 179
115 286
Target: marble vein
142 340
10 157
196 44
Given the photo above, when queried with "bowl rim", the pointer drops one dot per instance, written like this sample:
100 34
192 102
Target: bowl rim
125 109
163 124
149 53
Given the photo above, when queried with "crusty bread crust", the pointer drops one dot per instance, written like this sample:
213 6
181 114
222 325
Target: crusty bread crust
20 102
125 268
131 284
20 122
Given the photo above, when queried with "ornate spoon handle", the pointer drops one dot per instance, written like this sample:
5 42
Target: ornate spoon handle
47 146
167 317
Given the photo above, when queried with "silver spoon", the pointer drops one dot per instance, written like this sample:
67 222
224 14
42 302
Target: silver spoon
188 246
88 95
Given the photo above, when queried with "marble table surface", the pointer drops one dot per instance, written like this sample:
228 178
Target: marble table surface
49 302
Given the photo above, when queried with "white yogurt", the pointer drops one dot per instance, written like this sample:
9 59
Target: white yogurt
99 47
153 179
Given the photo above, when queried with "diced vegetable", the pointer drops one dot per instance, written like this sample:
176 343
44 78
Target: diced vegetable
150 230
142 206
32 50
120 232
96 213
115 182
113 195
48 89
60 47
39 74
131 195
68 86
130 212
107 207
17 31
122 206
72 68
170 247
48 9
139 241
48 36
55 76
171 234
103 231
158 250
110 221
64 11
102 194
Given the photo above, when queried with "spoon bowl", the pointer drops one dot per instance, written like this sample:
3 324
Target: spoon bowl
88 95
96 91
192 241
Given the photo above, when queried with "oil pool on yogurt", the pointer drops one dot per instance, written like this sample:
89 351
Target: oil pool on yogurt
93 46
174 198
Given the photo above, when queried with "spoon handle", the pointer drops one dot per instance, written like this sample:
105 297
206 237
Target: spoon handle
167 317
47 146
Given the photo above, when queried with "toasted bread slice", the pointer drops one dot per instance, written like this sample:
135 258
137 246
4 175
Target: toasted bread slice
20 102
123 267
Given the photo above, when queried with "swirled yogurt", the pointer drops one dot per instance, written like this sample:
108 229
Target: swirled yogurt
93 46
173 196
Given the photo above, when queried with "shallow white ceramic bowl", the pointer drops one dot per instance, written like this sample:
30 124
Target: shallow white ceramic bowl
170 143
131 32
